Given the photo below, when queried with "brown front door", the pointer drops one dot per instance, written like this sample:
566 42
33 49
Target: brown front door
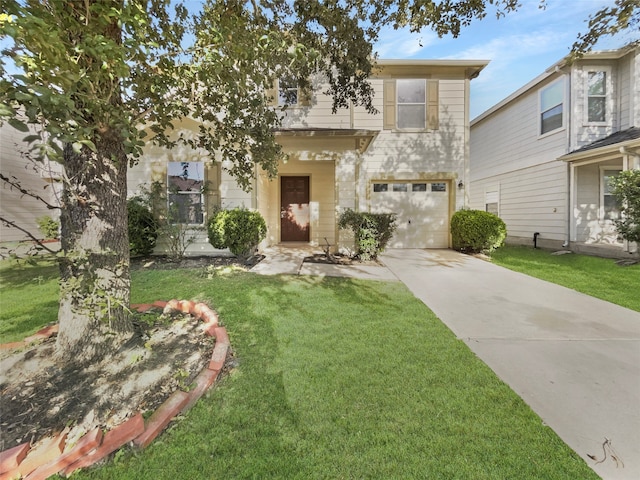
294 209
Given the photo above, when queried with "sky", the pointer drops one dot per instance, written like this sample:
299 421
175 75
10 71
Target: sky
520 46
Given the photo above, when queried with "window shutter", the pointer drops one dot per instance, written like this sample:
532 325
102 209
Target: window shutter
272 94
389 101
432 105
306 96
212 197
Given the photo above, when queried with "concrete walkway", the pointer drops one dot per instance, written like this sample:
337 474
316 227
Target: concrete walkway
573 358
289 260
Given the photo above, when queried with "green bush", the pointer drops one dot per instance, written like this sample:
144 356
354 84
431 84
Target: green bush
143 227
477 231
626 188
372 231
48 227
240 230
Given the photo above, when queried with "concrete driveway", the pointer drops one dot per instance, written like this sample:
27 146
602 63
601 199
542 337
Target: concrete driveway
573 358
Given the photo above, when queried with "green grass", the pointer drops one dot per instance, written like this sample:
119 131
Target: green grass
337 378
599 277
28 297
343 379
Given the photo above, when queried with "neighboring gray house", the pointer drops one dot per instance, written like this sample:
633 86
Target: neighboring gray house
542 157
37 178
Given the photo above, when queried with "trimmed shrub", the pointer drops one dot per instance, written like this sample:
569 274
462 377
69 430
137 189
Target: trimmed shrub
143 227
240 230
372 231
475 231
49 228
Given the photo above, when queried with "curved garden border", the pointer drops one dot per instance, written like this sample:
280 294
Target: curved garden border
49 456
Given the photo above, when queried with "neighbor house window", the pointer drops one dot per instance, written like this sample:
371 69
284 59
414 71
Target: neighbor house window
609 204
491 199
288 93
596 97
551 107
185 183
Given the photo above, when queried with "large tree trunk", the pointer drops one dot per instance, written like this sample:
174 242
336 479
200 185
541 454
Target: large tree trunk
94 280
94 269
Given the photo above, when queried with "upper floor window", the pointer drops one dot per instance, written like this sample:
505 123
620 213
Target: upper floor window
596 89
411 104
288 91
551 107
185 184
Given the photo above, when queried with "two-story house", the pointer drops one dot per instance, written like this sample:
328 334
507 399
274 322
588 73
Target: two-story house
541 159
411 158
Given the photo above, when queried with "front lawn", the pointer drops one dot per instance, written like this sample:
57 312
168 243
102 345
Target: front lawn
336 378
599 277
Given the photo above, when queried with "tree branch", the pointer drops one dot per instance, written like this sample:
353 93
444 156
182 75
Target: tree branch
12 224
15 184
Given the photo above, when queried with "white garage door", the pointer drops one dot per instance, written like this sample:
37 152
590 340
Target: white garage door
422 209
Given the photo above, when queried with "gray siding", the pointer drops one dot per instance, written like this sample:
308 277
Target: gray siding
34 177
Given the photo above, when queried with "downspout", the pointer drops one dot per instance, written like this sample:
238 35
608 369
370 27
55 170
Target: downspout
570 169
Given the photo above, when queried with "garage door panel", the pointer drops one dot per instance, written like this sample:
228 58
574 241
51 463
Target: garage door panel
422 216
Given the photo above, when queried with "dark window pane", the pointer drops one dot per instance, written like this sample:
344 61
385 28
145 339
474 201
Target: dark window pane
439 187
399 187
380 187
186 208
492 208
551 119
597 83
597 109
419 187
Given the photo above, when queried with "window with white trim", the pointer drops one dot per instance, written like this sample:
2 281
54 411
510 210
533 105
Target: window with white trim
185 185
491 202
551 107
411 103
596 88
288 92
609 205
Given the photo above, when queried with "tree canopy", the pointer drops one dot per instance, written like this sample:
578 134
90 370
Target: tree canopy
101 79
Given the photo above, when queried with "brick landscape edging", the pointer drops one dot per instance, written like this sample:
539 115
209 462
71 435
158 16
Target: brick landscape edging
50 456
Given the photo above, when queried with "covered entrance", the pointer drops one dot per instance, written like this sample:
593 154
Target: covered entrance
294 209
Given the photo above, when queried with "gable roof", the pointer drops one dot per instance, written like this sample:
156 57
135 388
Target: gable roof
557 69
616 142
618 137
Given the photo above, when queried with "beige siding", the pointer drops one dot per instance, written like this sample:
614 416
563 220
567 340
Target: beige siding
152 167
33 177
322 199
319 114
